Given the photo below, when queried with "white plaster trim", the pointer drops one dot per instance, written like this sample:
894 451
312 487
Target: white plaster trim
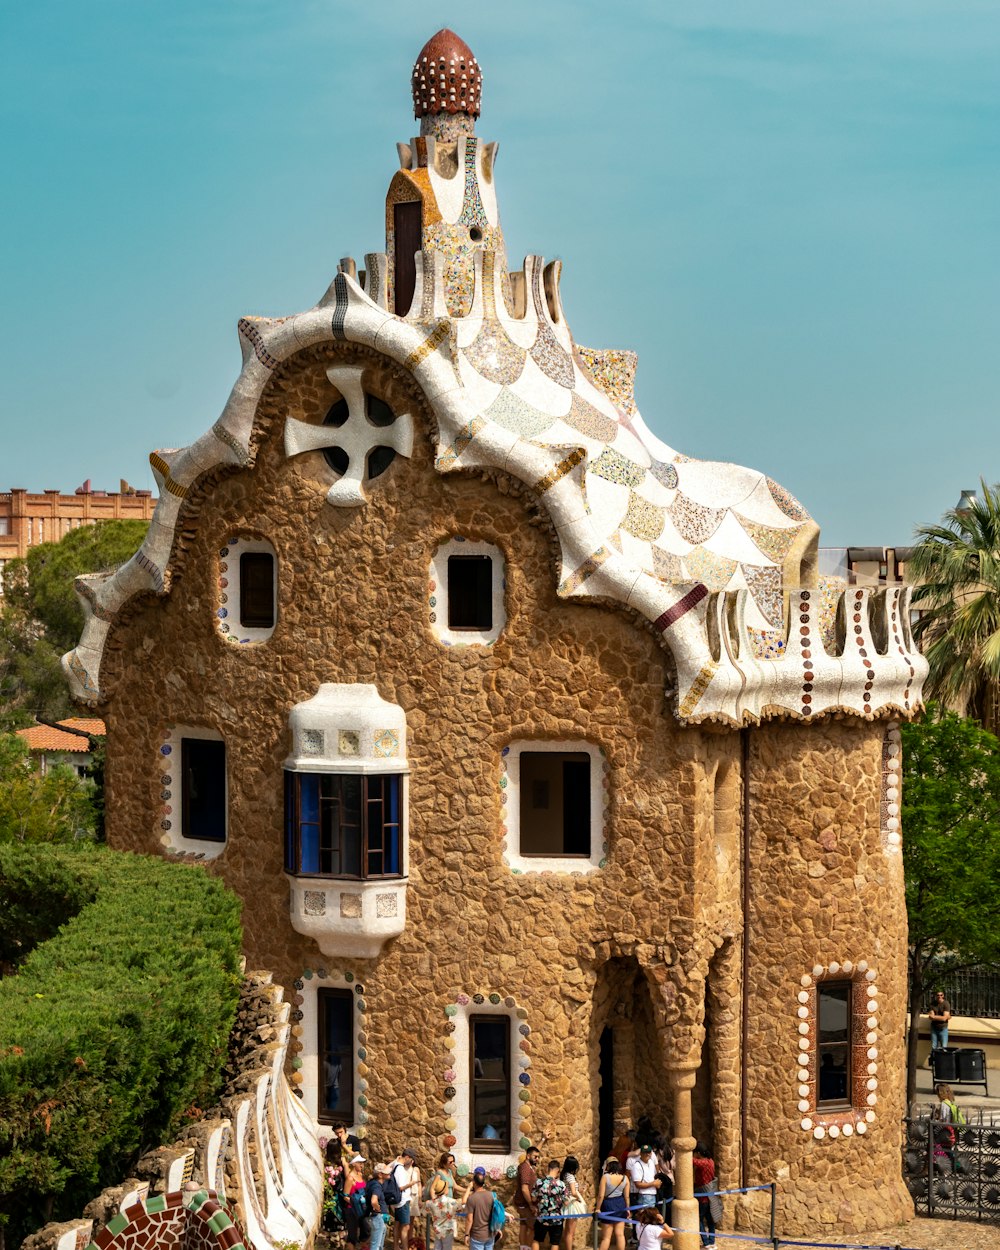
171 821
459 546
230 626
308 1070
891 804
510 783
493 1163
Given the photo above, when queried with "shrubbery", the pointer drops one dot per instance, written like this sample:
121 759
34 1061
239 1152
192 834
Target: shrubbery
115 1027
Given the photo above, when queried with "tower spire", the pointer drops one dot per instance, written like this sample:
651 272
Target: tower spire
447 87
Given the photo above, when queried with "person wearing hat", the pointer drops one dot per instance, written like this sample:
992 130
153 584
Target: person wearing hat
353 1184
442 1207
407 1177
478 1210
642 1168
377 1206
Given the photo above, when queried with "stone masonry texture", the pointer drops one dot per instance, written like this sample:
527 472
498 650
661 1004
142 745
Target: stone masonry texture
649 945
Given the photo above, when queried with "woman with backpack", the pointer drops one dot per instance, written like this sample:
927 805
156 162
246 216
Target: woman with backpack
355 1202
612 1204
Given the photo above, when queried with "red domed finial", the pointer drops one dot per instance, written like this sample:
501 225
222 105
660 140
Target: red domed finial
446 77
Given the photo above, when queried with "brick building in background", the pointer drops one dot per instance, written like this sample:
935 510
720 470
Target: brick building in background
28 519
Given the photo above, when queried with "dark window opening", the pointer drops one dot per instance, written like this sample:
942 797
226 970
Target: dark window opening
379 459
833 1044
337 459
339 825
489 1083
257 590
378 411
338 414
555 803
203 789
470 592
336 1056
408 227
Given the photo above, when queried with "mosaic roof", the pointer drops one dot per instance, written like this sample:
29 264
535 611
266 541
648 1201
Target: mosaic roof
714 555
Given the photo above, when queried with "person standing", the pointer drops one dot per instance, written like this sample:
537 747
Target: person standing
573 1205
939 1014
642 1169
407 1177
524 1188
442 1207
378 1212
549 1194
652 1229
612 1204
704 1175
354 1204
478 1210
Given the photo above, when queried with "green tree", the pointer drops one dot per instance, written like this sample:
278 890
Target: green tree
951 853
957 566
58 807
41 618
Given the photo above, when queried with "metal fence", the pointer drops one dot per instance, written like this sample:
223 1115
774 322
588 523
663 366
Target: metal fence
953 1170
974 992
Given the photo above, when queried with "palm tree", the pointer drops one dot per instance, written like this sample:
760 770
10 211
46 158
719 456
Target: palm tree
956 568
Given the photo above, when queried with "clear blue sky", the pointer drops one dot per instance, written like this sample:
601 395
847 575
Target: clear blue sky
789 208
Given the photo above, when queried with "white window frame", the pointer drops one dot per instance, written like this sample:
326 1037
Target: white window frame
511 771
230 626
170 765
310 1048
463 1092
459 546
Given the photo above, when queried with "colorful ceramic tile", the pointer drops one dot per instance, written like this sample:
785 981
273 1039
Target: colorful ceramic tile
513 413
774 543
765 586
643 519
612 371
589 420
705 566
614 467
693 521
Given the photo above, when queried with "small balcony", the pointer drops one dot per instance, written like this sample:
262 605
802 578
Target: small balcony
348 919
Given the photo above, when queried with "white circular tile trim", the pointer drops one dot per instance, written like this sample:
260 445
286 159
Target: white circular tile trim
845 1123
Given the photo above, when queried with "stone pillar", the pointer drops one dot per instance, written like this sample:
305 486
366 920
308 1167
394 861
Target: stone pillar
684 1208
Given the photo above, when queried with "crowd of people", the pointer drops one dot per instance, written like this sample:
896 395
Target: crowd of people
386 1202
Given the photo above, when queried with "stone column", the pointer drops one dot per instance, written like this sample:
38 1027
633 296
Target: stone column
684 1208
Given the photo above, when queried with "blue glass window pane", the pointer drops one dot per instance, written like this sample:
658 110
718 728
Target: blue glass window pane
392 790
309 822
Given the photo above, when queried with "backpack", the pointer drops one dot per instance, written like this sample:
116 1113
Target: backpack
498 1216
957 1114
390 1188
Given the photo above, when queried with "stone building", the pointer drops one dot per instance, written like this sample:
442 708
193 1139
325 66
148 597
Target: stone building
552 779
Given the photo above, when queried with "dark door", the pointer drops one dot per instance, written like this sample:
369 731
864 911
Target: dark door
409 237
606 1094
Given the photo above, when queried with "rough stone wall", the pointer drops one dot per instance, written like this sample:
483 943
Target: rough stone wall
825 895
353 607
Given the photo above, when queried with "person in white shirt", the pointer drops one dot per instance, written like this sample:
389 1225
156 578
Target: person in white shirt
407 1176
642 1168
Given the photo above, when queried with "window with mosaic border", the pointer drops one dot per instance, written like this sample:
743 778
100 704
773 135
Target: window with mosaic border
305 1044
454 554
174 791
823 1112
240 617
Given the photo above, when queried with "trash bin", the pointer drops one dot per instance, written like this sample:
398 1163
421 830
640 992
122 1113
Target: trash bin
944 1063
971 1066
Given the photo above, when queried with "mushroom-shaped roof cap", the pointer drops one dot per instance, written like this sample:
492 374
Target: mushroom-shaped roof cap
446 77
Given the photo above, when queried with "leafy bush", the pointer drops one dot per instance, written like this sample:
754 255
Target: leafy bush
58 807
114 1027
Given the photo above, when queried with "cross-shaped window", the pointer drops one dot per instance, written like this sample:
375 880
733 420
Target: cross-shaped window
360 437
